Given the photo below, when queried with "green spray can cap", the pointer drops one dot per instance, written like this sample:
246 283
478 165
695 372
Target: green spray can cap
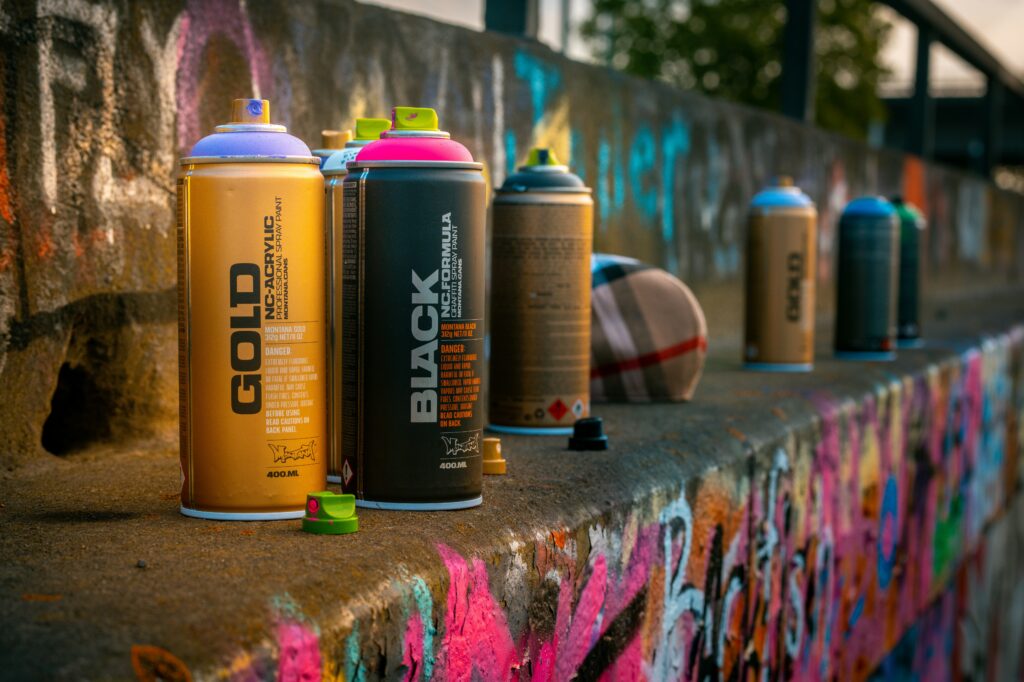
329 513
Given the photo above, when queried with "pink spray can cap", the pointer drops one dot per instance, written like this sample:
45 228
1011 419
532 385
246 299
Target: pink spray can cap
414 136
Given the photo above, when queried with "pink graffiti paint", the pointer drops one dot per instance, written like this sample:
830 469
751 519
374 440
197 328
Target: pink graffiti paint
794 587
544 654
204 20
298 653
477 643
629 666
412 650
582 630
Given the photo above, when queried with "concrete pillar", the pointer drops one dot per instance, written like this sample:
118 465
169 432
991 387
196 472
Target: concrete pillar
517 17
992 123
921 126
798 61
566 25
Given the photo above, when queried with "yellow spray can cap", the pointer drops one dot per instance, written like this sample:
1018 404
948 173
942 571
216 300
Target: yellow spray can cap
413 118
334 139
371 128
493 462
250 111
542 156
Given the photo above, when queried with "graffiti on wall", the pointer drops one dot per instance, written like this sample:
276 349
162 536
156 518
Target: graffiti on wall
120 97
877 544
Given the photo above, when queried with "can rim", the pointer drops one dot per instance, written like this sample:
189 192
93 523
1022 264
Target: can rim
522 189
445 505
331 172
404 132
192 160
783 209
453 165
242 516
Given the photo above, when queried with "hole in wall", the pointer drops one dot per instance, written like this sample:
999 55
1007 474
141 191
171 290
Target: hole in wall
80 412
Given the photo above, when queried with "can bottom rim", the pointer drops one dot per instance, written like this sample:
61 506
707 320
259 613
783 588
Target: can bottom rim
531 430
881 355
242 516
331 478
779 366
421 506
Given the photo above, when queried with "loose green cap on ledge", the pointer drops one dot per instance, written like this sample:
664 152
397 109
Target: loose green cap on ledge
329 513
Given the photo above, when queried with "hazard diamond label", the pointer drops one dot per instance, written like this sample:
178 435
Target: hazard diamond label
577 408
346 473
557 409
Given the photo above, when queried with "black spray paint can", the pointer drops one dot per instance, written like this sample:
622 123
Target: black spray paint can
867 281
908 317
413 319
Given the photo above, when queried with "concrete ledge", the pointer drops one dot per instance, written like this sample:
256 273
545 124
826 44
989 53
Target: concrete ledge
860 518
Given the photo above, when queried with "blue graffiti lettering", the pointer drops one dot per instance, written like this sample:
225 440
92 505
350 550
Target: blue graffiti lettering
641 164
675 143
887 533
543 79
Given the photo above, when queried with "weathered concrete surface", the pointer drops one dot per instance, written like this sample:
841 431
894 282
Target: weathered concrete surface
98 99
866 517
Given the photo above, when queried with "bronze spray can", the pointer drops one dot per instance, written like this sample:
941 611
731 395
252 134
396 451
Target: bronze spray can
543 229
334 169
782 245
331 141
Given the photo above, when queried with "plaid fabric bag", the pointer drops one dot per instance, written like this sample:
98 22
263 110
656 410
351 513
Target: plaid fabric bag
648 334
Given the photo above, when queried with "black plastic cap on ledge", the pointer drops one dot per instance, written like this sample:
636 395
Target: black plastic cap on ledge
588 434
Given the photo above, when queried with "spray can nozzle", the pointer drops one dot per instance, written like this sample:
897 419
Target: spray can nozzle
250 111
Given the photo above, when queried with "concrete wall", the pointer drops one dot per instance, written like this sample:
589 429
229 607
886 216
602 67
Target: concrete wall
98 100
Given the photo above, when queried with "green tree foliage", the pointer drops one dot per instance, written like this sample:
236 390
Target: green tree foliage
733 49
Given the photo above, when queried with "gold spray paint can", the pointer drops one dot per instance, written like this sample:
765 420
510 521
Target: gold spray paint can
334 169
781 255
251 309
543 230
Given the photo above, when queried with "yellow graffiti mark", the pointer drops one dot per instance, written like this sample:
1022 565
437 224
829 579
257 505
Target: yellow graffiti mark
553 130
240 664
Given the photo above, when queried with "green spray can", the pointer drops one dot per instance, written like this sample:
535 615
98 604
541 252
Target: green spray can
908 316
867 281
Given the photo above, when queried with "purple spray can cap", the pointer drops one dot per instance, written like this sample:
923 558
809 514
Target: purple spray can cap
250 133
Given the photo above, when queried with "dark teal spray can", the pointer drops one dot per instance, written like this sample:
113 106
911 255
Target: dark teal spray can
908 317
866 291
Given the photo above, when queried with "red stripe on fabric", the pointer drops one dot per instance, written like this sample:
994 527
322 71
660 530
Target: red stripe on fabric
650 358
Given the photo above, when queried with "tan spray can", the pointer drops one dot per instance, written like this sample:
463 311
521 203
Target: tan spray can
543 227
781 261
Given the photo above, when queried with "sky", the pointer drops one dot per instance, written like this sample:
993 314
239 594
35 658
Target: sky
996 24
